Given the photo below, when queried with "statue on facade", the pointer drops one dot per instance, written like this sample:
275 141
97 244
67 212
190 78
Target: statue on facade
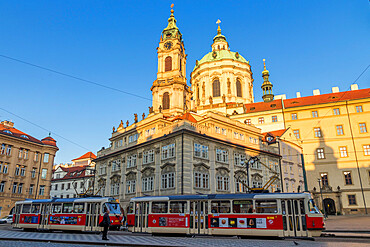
114 129
160 108
224 98
135 118
127 123
210 100
150 109
143 115
121 124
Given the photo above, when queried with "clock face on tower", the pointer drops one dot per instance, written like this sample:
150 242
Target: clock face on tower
168 45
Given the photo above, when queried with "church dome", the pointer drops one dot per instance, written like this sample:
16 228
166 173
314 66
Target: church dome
218 55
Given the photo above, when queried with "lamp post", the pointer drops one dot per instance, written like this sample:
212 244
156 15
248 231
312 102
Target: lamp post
322 200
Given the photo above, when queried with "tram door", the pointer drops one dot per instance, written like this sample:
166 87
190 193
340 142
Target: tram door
92 216
44 216
294 219
141 216
198 217
17 213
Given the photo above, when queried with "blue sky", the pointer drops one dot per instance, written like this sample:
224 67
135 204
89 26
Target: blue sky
307 45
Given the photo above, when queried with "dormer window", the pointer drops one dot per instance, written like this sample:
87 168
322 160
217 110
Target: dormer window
8 132
25 137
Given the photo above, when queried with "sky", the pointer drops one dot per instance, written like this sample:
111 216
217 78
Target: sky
307 45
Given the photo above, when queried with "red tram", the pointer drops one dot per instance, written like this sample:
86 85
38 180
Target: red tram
270 214
76 214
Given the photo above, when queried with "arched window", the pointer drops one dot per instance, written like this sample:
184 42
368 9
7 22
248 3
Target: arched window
166 101
238 88
216 88
168 64
198 96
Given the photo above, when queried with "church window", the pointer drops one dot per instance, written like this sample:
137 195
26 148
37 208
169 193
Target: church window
216 88
238 88
180 64
166 101
168 64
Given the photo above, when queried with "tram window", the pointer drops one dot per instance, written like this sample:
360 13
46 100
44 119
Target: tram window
243 207
114 208
57 208
78 208
130 209
26 208
311 206
301 205
221 207
67 208
35 208
178 207
266 206
159 207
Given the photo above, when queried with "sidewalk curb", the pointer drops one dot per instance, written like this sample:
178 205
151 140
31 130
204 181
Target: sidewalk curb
82 242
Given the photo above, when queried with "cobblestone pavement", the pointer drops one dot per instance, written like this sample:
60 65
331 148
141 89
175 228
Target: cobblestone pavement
348 223
21 238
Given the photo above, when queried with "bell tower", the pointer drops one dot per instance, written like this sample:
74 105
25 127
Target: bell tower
266 85
171 95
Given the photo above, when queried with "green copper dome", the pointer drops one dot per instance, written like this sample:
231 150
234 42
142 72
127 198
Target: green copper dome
219 55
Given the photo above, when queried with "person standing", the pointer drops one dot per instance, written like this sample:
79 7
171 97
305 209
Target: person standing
105 224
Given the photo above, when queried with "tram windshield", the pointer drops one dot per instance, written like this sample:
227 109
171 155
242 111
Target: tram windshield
114 208
312 207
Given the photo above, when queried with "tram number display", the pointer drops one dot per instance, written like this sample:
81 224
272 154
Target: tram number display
239 222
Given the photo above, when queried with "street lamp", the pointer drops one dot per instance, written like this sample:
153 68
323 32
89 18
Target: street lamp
322 200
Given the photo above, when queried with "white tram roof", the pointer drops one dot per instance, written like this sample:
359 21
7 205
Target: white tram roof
223 197
61 200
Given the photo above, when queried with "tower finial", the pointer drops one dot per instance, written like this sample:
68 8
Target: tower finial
172 9
219 28
264 63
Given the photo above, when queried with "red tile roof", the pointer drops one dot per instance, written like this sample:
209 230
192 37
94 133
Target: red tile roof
88 155
274 134
309 100
17 133
263 106
186 116
327 98
49 141
73 173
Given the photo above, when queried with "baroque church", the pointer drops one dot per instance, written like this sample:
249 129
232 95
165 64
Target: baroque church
188 143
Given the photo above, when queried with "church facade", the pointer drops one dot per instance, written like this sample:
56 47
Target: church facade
188 143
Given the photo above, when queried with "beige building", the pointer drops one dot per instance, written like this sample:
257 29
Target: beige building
332 129
75 179
184 154
291 168
26 165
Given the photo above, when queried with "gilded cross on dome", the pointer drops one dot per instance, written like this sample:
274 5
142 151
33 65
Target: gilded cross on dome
219 28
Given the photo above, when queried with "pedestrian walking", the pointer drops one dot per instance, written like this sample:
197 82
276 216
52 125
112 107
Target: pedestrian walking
105 223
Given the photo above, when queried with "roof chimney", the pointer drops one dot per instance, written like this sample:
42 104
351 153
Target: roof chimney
298 94
335 89
316 92
8 124
354 87
281 96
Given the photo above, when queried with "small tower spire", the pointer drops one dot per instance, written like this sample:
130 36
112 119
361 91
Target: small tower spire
266 85
171 31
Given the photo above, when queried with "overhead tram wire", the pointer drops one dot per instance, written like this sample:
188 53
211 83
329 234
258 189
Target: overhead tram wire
74 77
39 126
